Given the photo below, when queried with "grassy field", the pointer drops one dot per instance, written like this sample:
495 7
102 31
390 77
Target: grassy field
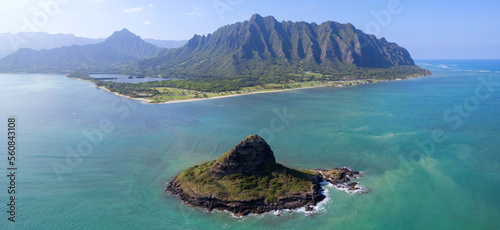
174 94
273 183
185 89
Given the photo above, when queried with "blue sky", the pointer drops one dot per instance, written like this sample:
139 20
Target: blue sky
428 29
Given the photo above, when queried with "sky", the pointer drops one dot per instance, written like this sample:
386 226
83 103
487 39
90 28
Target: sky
428 29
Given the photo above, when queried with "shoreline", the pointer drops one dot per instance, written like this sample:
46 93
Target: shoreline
148 101
309 201
109 91
235 95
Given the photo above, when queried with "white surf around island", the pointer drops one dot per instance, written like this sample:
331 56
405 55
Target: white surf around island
319 208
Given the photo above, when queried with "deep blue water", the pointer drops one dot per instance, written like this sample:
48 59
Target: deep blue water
452 182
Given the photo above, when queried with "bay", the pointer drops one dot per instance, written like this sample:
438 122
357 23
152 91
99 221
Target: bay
131 150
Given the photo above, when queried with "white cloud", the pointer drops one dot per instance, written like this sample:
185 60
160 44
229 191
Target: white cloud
132 10
147 22
196 12
151 5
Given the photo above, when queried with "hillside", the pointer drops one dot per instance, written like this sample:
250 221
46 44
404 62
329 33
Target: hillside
264 46
120 49
10 43
260 48
166 43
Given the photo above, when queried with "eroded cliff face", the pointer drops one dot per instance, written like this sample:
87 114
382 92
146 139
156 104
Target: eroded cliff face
262 44
245 207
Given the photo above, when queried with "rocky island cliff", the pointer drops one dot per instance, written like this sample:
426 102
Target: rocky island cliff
247 179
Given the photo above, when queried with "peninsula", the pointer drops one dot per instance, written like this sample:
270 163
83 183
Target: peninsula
151 93
247 180
257 55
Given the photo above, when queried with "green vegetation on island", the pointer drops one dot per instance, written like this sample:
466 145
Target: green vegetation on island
276 181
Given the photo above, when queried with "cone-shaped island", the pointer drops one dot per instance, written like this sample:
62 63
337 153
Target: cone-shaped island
247 179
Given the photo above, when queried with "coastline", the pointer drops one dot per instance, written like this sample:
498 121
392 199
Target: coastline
309 200
140 99
234 95
109 91
148 101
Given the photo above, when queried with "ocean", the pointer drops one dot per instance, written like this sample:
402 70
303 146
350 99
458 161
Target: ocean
88 159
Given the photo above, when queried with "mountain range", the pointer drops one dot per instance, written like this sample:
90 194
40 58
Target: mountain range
10 43
170 44
263 45
118 50
259 46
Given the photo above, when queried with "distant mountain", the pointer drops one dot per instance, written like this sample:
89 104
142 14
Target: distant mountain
9 43
262 45
118 50
166 43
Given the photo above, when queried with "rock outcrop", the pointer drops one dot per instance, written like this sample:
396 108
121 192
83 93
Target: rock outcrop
245 207
249 157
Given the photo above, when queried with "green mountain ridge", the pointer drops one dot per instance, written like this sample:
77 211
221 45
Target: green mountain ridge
256 51
262 45
120 49
10 43
166 43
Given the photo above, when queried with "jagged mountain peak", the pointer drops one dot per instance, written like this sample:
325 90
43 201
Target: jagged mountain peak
121 48
255 17
242 47
258 17
123 36
250 157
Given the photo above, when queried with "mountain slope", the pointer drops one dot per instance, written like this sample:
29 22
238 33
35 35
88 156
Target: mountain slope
10 43
263 45
166 43
121 48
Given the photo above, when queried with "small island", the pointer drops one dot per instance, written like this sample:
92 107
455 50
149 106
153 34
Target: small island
247 180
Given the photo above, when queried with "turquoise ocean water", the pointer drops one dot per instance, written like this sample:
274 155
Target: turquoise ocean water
129 151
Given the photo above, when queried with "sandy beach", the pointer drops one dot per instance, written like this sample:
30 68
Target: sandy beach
235 95
147 101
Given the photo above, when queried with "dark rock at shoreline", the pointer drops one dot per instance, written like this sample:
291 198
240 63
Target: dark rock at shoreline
245 207
258 206
338 175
